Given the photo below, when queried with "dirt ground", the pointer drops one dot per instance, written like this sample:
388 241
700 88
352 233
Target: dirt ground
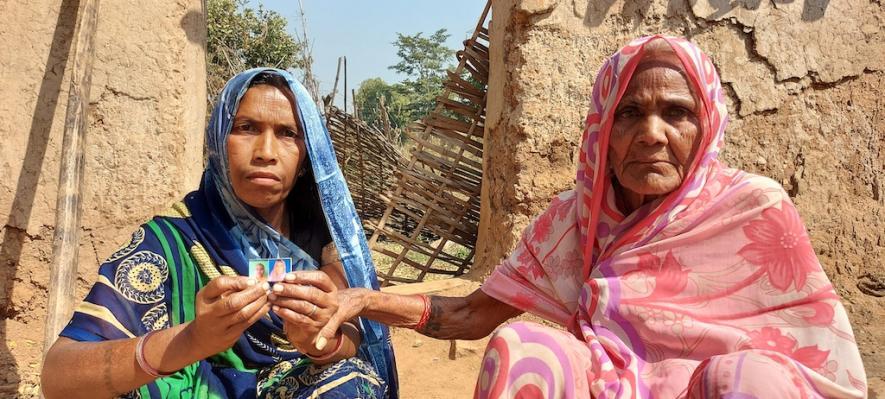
426 371
425 367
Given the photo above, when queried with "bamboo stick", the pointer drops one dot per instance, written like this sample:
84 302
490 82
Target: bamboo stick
307 58
65 243
330 99
360 149
385 119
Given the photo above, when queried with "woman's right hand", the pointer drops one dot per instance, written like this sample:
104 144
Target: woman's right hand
351 302
225 308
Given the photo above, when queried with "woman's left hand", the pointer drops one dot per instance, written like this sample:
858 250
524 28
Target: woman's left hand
305 300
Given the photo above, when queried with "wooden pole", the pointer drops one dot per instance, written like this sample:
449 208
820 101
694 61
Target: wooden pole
307 57
65 243
330 99
344 165
385 120
360 150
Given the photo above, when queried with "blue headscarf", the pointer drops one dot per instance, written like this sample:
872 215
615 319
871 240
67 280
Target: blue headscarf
257 239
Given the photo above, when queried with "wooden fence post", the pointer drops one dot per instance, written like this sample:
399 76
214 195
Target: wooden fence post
65 244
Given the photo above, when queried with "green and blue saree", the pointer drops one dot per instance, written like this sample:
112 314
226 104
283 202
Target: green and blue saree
151 282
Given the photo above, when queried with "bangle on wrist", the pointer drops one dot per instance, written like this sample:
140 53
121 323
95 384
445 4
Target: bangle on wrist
425 316
351 326
142 362
331 354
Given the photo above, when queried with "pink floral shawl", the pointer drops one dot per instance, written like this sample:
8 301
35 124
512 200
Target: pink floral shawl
722 264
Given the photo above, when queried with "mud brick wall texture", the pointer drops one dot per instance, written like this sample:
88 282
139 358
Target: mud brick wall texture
804 80
143 146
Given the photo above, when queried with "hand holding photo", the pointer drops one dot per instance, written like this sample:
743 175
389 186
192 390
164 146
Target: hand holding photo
270 270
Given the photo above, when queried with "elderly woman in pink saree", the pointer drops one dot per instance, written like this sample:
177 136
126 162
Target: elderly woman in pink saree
672 275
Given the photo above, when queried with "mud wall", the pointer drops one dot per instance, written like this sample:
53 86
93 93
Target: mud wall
804 80
143 146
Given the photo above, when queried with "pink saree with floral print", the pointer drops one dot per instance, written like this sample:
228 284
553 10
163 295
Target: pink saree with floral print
712 291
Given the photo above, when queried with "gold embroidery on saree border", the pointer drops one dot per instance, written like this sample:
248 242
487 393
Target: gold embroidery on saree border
282 344
134 242
140 277
207 266
177 210
157 318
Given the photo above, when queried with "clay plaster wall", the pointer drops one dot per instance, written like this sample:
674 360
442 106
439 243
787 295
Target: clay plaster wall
143 146
804 81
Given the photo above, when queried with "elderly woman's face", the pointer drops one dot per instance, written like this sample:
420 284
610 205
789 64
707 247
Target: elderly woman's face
655 130
265 147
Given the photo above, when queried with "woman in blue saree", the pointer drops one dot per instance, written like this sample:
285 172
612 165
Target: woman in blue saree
172 313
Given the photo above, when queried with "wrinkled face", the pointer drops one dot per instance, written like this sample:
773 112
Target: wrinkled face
265 148
655 132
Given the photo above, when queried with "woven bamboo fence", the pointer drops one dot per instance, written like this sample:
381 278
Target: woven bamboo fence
431 219
368 159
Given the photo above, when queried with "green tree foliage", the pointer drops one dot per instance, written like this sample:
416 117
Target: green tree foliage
241 38
424 60
368 98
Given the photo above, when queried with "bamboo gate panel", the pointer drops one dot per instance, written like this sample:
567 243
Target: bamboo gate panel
438 188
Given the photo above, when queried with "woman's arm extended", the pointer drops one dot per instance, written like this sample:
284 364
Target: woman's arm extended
108 369
472 317
224 309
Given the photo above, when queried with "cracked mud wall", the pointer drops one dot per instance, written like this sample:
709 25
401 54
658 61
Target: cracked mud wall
804 80
143 147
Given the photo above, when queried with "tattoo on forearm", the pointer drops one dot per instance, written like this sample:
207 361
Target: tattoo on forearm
108 364
443 321
436 314
460 318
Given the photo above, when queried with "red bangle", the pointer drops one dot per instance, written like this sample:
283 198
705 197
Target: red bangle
424 316
330 354
142 362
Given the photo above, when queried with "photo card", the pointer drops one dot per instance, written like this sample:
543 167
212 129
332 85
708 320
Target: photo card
271 269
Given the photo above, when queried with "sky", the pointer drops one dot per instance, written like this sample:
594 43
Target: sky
364 32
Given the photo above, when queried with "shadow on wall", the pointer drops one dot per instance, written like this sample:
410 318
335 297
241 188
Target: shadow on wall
194 25
15 232
597 10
